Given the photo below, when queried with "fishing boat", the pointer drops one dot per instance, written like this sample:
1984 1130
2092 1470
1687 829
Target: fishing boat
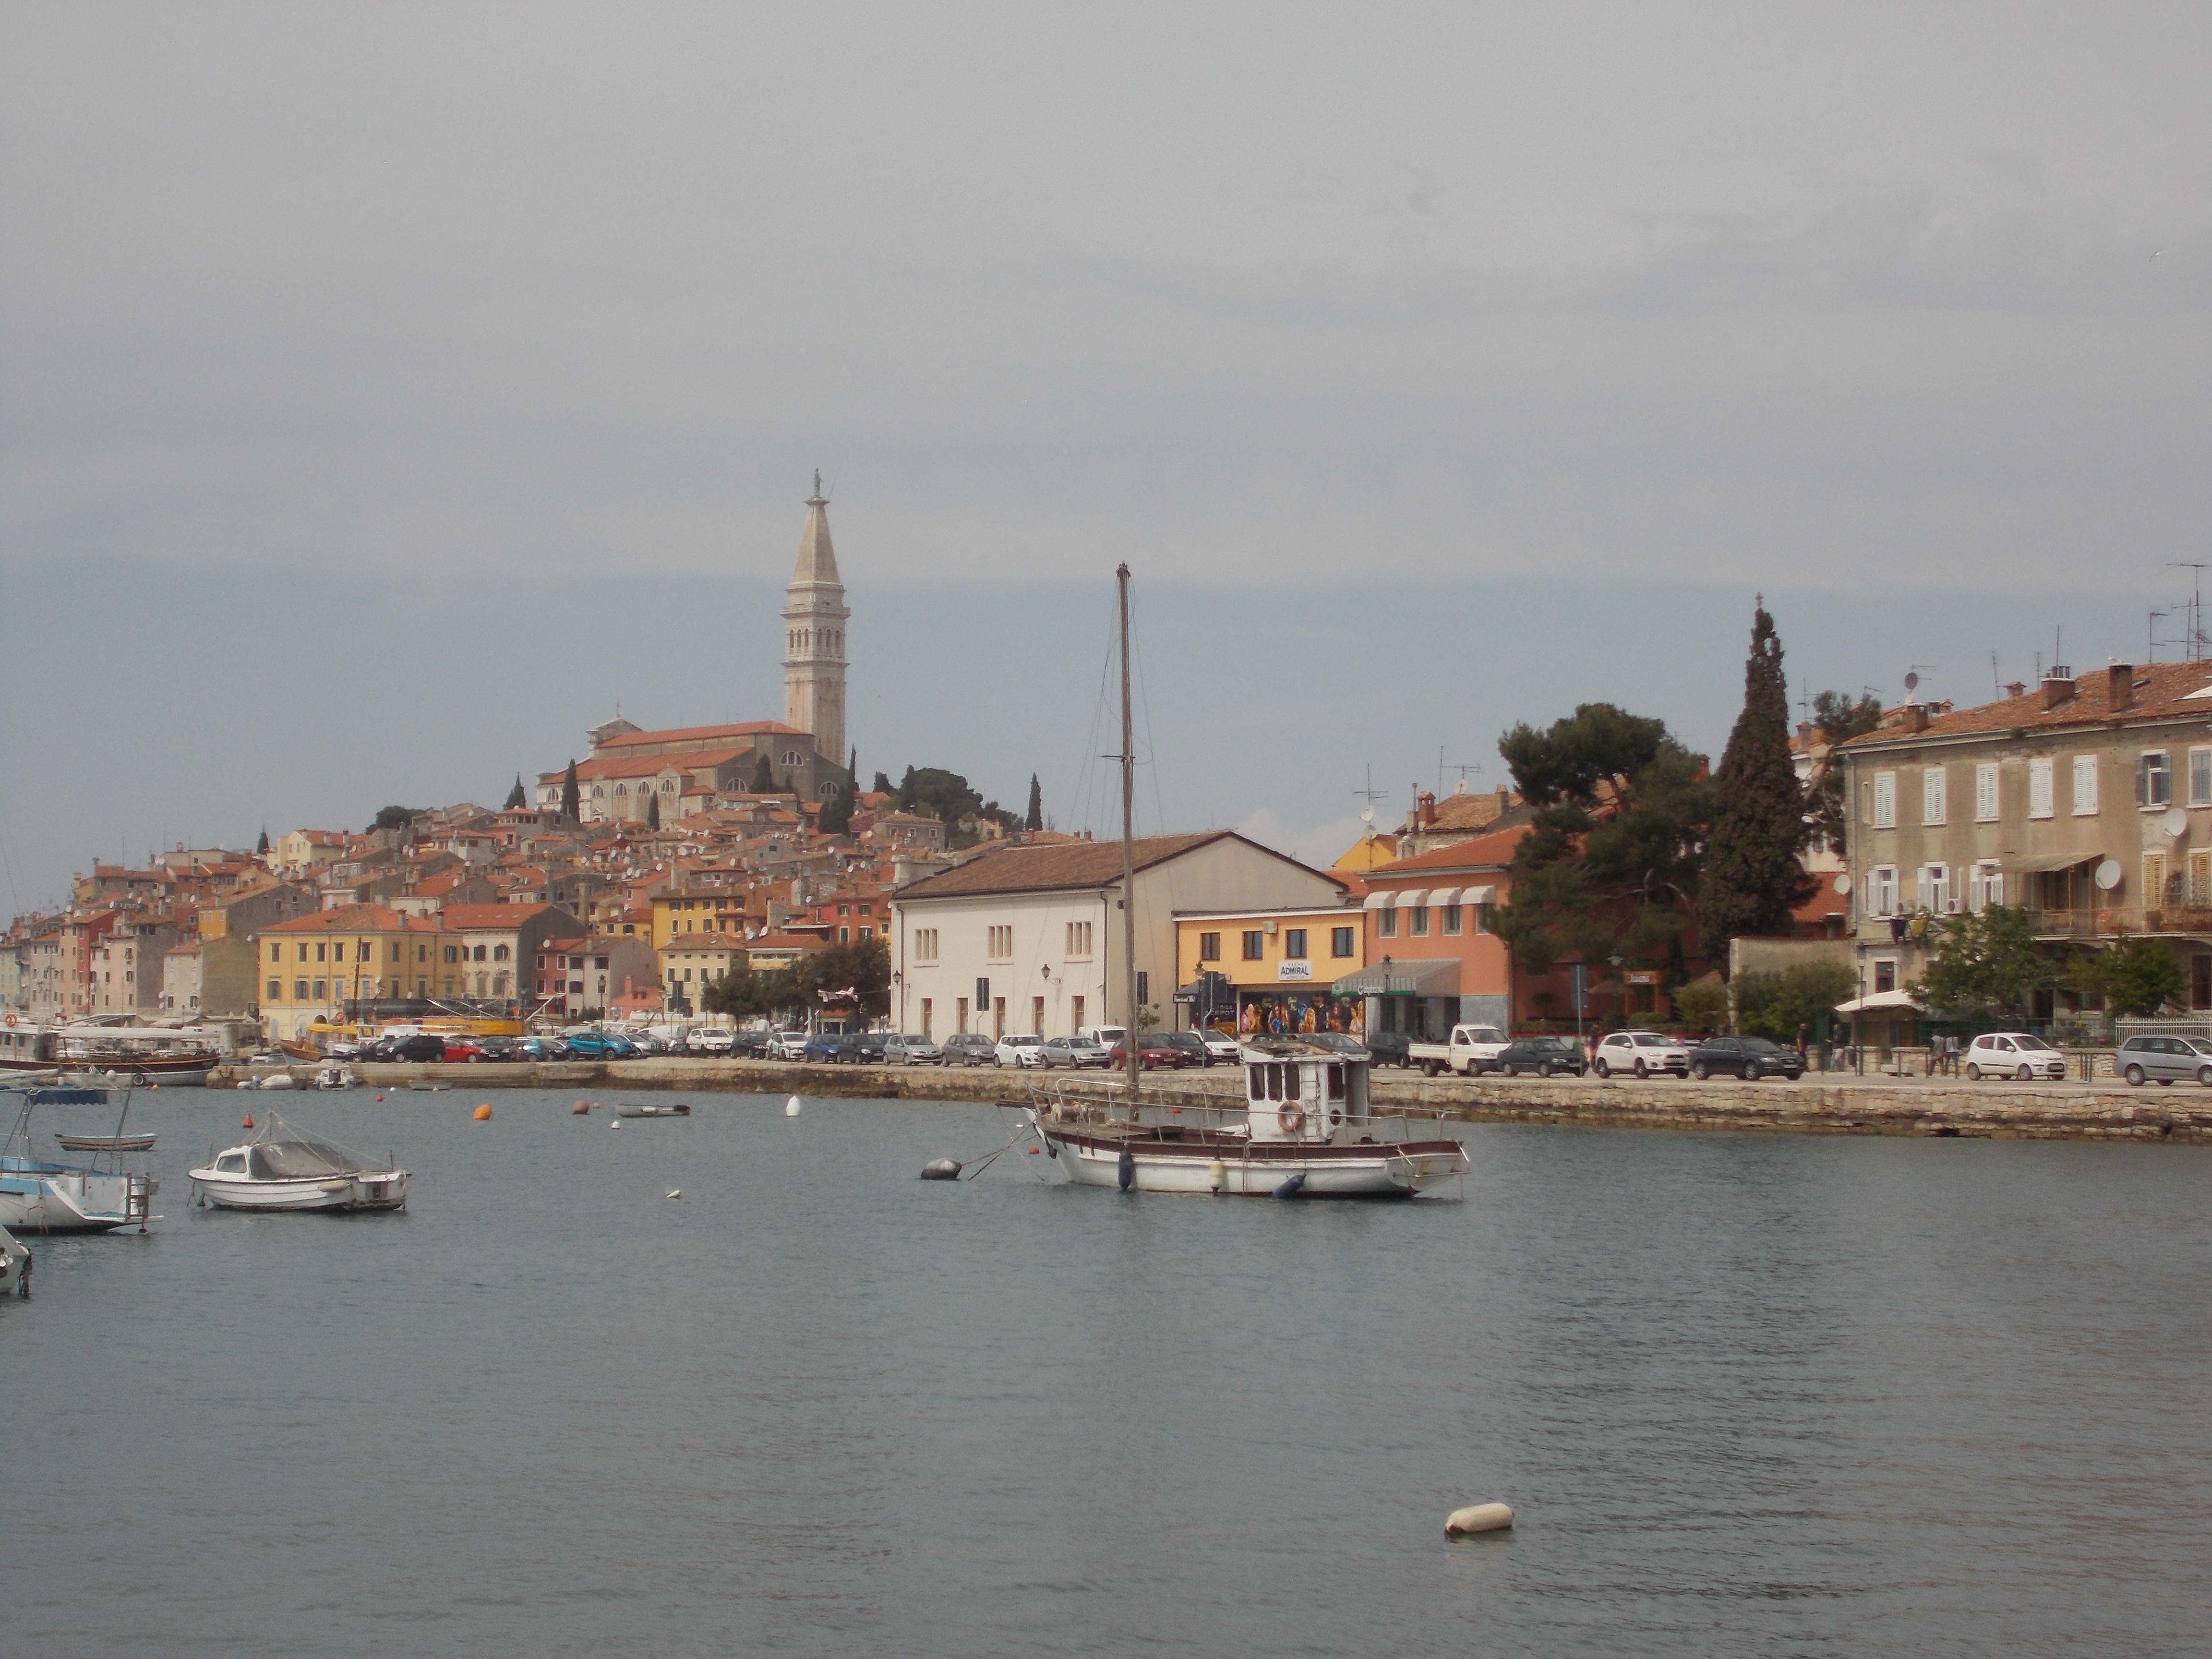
140 1053
336 1077
39 1195
286 1167
1304 1128
14 1267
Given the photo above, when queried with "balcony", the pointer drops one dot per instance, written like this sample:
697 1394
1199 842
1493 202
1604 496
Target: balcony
2106 921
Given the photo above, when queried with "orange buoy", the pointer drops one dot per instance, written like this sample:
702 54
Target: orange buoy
578 1109
380 1097
249 1119
483 1113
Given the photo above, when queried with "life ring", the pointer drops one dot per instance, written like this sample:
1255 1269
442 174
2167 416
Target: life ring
11 1019
1291 1118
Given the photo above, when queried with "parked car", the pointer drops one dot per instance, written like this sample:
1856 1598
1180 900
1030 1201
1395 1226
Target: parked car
829 1049
1339 1042
1190 1045
496 1048
1222 1045
1471 1050
1076 1053
541 1048
907 1049
1018 1051
753 1045
2163 1059
868 1047
1390 1048
714 1043
1104 1035
1750 1058
459 1049
347 1048
969 1049
599 1045
2016 1054
420 1045
1543 1055
1639 1053
789 1045
1154 1054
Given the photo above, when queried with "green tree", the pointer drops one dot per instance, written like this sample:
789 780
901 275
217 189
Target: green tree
837 808
882 785
572 798
1034 818
1752 881
1838 719
1609 865
515 798
261 846
1701 1007
2136 977
1776 1005
653 810
762 781
1984 964
396 817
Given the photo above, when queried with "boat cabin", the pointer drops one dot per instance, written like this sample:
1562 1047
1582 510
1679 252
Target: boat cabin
25 1047
1299 1090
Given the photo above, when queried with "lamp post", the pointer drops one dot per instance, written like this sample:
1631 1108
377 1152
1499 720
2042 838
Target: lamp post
1858 1015
1619 992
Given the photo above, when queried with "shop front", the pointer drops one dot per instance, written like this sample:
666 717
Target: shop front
1420 997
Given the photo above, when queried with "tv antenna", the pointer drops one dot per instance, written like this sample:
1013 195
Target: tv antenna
1443 767
2150 632
1370 794
2196 639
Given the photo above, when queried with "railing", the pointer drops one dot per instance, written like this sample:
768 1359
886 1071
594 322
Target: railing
2109 921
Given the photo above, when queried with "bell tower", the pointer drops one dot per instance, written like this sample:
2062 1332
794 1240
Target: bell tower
814 615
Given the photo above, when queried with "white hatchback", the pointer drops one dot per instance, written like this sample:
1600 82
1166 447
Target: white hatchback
2014 1054
1021 1051
1639 1053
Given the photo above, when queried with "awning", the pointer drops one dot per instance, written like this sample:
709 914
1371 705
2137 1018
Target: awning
1444 896
1425 976
1379 902
2050 862
1411 899
1478 896
1881 1002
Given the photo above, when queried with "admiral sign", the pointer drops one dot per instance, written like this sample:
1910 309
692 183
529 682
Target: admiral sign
1301 969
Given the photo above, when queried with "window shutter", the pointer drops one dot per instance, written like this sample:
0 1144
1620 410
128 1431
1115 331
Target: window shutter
2085 785
1885 800
1985 793
1931 795
2038 789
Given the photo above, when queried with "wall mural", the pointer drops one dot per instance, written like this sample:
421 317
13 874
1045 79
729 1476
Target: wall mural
1285 1015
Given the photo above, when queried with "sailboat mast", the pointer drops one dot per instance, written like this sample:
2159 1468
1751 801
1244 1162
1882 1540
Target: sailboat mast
1129 852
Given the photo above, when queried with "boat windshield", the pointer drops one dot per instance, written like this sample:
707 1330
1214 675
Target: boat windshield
282 1152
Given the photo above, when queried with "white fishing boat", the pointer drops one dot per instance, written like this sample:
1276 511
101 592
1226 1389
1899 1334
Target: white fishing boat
39 1195
138 1053
336 1077
285 1167
1304 1129
14 1267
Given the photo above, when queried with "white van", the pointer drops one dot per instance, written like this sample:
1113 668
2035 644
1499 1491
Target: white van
1106 1036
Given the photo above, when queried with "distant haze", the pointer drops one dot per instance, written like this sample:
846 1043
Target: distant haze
352 320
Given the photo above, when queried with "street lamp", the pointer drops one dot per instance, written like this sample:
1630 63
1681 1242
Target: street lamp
1858 1015
1619 993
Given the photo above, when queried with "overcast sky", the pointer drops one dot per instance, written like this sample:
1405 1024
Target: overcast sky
1561 329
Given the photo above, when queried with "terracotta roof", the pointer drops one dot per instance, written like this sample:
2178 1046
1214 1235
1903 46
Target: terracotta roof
1019 869
697 733
490 916
2162 692
354 918
785 942
704 942
1484 853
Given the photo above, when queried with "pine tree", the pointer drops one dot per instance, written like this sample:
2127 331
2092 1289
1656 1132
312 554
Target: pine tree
572 798
261 847
764 779
515 798
653 810
1035 817
1752 879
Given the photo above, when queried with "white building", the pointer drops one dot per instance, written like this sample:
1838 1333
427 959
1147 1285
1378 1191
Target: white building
1027 939
814 619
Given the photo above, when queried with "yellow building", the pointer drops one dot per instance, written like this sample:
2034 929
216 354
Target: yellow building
690 962
678 913
1279 964
312 966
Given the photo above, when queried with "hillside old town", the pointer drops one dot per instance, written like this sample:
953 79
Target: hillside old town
1856 876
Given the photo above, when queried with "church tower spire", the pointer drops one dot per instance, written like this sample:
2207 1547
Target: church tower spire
814 616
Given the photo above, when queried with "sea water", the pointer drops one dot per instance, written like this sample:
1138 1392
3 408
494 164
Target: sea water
1748 1395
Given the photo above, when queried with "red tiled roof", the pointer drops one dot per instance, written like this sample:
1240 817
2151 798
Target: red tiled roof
1484 853
354 918
699 733
490 916
2160 691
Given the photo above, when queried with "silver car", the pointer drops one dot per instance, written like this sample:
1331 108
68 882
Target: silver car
2163 1059
910 1051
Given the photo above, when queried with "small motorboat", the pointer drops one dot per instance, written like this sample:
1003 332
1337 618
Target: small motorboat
286 1167
673 1109
14 1267
421 1087
336 1077
38 1195
74 1143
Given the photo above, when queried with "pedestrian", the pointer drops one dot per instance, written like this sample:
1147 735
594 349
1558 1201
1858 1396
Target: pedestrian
1803 1032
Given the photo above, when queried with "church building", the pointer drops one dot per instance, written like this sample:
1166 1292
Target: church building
631 767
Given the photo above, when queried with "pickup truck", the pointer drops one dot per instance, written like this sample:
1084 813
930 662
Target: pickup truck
1472 1049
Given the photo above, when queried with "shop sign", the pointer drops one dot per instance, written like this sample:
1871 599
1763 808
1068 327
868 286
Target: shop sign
1294 970
1645 978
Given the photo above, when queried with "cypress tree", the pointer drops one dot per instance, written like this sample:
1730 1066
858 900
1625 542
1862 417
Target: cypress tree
514 796
262 848
1752 879
653 810
1033 819
572 798
762 780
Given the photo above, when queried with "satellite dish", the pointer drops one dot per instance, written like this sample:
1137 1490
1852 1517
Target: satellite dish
2175 822
1912 682
1367 815
1844 882
2108 874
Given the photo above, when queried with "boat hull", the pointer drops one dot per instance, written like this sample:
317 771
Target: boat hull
1384 1169
72 1202
369 1190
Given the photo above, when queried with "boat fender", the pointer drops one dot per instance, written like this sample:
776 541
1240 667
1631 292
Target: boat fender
482 1114
1217 1175
1292 1119
791 1107
940 1169
578 1109
1290 1188
1126 1174
1478 1517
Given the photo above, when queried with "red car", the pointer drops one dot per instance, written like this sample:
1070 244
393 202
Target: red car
1154 1054
460 1048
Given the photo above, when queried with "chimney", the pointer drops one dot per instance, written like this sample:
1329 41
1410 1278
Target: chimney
2017 689
2058 686
1804 730
2120 687
1424 810
1916 717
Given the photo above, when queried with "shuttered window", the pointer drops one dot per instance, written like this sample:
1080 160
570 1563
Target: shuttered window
1885 800
2085 786
1931 795
1985 794
2038 789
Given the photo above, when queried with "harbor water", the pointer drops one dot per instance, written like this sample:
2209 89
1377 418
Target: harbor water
1748 1395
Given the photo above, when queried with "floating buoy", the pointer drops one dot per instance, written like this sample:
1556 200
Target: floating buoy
614 1123
1032 1150
1216 1174
673 1191
1124 1173
1478 1517
1290 1188
791 1107
380 1097
249 1119
940 1169
483 1113
578 1109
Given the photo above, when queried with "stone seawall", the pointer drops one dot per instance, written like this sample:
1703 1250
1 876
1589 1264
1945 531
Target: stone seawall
1938 1106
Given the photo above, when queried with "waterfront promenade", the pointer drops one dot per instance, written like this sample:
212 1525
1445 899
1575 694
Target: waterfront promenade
1829 1103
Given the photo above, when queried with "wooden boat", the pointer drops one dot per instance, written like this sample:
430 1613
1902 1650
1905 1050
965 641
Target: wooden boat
104 1143
673 1109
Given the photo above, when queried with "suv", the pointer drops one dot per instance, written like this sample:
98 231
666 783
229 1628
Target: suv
1639 1053
1749 1058
600 1045
1543 1055
969 1049
2164 1058
2016 1054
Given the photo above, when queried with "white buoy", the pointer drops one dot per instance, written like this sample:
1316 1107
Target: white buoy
1478 1517
791 1107
673 1191
614 1123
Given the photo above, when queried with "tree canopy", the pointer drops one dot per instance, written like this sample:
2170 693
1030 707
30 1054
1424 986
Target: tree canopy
1984 963
1776 1005
2136 976
863 966
1754 881
1034 818
1610 863
396 818
762 781
515 798
572 798
1838 719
